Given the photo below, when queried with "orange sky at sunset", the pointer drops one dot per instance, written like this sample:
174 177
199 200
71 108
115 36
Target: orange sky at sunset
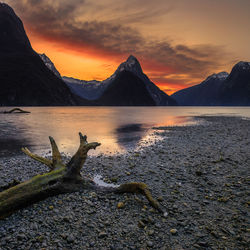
178 43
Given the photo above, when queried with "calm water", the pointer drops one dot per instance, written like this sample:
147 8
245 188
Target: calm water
117 128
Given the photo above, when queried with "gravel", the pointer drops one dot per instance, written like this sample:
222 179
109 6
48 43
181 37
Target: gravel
200 175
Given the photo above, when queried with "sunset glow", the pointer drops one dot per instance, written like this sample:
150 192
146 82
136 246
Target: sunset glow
178 43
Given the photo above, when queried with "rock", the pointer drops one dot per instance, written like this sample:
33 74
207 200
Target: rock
120 204
70 239
158 225
114 179
150 243
165 214
173 231
93 194
160 198
141 224
203 243
151 232
150 219
34 226
102 234
67 219
198 172
21 237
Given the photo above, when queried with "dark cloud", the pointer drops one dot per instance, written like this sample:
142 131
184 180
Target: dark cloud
64 21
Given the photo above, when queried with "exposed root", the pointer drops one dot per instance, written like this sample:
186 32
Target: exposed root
142 188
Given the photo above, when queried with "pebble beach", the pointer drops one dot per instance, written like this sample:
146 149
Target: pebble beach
198 173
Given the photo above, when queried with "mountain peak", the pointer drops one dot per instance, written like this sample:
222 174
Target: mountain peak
132 58
6 9
221 76
12 33
243 65
5 6
132 65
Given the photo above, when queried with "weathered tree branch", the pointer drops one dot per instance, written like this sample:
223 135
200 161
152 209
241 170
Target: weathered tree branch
16 110
62 178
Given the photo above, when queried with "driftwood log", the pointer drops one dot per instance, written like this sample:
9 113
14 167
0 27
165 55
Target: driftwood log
62 178
16 111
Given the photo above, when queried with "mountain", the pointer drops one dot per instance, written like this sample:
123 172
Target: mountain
126 90
221 89
90 90
24 78
132 65
128 77
235 90
50 65
203 94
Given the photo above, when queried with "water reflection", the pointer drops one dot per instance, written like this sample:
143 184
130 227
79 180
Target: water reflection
117 128
129 135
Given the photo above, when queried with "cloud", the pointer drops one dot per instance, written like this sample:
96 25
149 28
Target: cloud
81 25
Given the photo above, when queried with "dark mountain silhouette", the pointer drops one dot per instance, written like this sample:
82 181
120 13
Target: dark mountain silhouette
24 78
235 90
219 89
132 65
203 94
126 90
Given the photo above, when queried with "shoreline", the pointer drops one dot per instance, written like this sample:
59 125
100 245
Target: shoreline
199 174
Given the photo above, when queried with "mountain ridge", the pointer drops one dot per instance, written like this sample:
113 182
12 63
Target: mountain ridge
24 78
220 89
93 90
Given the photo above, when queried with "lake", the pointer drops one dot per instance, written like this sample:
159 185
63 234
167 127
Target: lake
118 129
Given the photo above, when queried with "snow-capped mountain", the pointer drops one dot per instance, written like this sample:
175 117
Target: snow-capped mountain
220 89
235 90
203 94
50 65
93 90
90 90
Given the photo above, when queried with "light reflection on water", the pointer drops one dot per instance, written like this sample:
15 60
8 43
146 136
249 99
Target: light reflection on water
117 128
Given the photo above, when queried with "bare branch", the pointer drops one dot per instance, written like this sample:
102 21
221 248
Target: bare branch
83 139
45 161
56 156
75 164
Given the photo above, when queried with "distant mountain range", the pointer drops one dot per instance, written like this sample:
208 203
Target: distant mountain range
27 78
220 89
128 86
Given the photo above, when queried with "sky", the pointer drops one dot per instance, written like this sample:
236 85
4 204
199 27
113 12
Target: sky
178 42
